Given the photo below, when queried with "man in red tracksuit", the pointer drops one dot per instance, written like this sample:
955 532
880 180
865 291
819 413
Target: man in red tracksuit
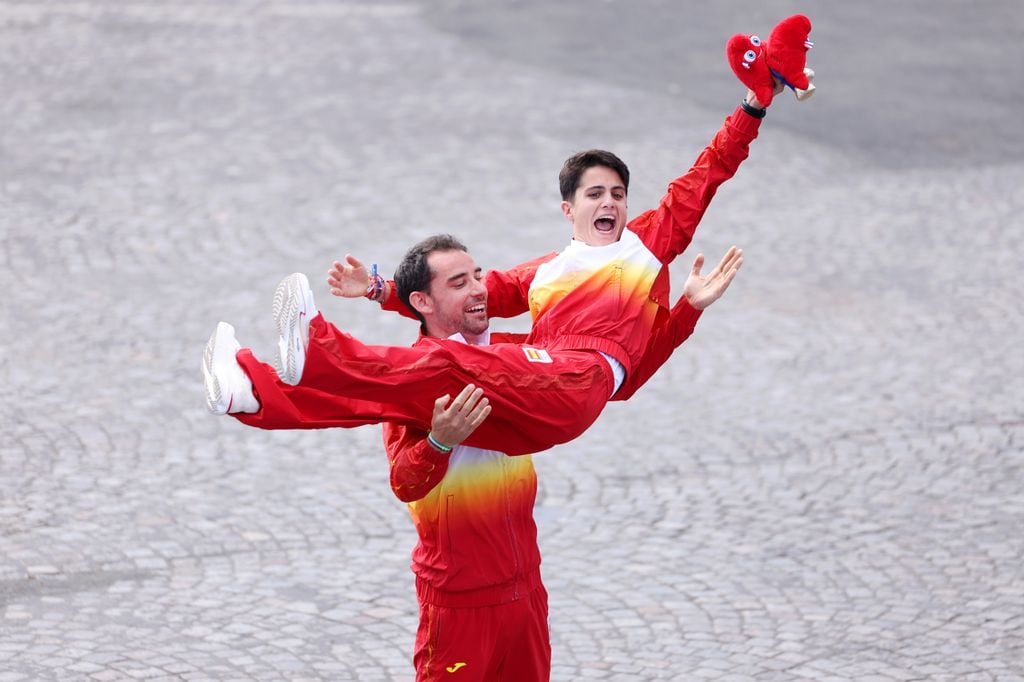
595 306
483 607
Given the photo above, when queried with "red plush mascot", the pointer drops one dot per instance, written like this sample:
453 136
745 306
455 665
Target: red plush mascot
783 56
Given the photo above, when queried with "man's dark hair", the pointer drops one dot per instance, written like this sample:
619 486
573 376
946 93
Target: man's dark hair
413 273
577 164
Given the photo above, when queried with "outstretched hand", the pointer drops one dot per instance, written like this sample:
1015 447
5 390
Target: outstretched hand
454 423
349 279
703 290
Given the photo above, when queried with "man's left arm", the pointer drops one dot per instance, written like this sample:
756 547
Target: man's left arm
699 291
664 340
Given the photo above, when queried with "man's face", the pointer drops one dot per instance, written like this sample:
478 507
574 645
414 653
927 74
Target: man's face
457 299
598 209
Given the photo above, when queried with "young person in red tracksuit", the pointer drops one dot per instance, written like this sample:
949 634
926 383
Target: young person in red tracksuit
483 607
595 306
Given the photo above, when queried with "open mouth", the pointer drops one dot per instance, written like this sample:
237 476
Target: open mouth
604 224
480 309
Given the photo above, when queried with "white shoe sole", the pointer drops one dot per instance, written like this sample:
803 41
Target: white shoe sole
293 309
227 388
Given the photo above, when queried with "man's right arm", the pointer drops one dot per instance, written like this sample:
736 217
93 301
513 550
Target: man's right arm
420 460
416 467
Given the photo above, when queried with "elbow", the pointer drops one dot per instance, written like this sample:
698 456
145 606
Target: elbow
407 497
407 494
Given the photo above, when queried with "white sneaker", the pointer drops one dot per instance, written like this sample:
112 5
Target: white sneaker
228 388
293 309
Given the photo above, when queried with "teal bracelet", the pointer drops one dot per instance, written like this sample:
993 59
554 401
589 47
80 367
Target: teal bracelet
437 445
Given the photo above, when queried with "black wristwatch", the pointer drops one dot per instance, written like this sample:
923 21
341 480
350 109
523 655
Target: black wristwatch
753 111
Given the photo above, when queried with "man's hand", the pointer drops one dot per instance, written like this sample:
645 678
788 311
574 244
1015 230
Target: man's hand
702 291
454 423
752 98
349 279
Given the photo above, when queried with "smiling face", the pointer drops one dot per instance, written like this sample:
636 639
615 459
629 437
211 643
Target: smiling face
456 301
597 209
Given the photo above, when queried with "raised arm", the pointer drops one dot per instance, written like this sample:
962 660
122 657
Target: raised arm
352 279
668 229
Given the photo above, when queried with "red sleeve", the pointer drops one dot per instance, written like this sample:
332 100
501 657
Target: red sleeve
416 468
663 341
394 304
668 229
508 291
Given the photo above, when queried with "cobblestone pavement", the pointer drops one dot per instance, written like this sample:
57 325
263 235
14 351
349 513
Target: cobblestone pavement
824 484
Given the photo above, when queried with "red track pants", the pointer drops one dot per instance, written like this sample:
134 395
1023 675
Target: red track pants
503 643
539 398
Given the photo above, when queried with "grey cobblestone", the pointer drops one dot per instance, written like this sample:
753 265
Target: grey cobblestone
824 484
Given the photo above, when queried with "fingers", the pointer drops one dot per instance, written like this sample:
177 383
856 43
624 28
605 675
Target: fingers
474 411
467 399
347 278
453 423
730 274
732 259
334 277
441 403
698 263
727 279
735 260
463 396
351 263
479 415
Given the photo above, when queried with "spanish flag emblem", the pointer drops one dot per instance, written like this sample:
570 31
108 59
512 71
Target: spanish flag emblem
537 355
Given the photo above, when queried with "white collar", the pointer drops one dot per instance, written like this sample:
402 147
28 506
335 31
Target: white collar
580 245
484 339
